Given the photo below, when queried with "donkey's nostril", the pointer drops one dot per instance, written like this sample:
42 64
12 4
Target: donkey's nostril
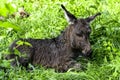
89 53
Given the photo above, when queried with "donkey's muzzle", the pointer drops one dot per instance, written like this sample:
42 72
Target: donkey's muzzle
88 53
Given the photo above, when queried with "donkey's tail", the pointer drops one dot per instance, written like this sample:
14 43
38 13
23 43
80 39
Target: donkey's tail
11 47
11 50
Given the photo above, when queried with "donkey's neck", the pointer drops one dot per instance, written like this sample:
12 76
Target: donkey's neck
65 36
64 39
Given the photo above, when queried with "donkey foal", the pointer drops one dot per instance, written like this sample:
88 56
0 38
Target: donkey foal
60 52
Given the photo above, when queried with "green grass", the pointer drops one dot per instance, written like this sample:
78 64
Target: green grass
47 21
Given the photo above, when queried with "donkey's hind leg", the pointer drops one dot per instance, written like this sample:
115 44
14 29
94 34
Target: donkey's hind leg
20 61
11 56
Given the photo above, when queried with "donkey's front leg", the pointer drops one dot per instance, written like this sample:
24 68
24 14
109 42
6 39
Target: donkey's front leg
74 66
77 66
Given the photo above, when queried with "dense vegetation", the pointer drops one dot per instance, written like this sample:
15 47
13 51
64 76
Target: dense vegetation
47 20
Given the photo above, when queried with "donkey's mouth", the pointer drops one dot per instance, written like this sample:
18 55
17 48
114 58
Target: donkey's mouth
87 54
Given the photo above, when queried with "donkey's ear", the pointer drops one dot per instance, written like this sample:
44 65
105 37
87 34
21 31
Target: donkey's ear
89 19
70 17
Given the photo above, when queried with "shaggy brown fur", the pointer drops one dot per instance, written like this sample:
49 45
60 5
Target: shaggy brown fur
60 52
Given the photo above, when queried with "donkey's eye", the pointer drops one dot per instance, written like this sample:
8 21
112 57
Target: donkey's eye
80 33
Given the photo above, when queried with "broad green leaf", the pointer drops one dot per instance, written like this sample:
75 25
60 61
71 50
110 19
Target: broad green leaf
9 7
9 25
23 43
3 12
28 44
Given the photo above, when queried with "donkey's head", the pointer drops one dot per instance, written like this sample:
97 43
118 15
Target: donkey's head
80 31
